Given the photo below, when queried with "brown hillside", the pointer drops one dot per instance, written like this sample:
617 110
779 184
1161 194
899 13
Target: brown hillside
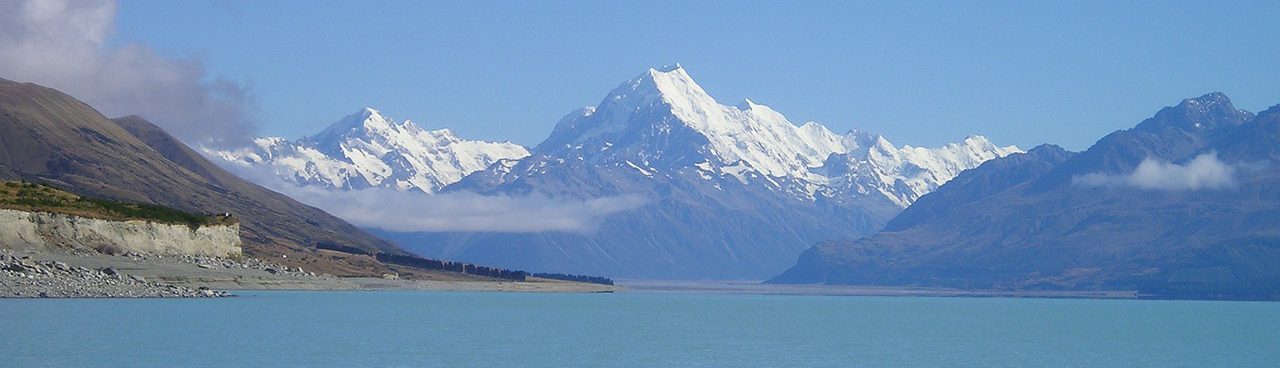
47 136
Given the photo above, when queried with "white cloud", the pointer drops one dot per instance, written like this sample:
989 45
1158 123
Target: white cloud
62 44
1203 172
394 210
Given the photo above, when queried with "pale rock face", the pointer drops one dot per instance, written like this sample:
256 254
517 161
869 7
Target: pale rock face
40 230
367 149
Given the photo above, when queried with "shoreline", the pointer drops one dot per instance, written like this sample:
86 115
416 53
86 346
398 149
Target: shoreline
759 288
64 273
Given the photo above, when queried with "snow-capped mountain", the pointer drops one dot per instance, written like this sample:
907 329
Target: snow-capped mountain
756 135
663 121
903 174
367 149
736 191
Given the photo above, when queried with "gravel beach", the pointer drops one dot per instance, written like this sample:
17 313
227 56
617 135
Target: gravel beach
27 273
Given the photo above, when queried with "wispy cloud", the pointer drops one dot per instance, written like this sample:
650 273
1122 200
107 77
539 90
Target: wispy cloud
465 212
1203 172
62 44
393 210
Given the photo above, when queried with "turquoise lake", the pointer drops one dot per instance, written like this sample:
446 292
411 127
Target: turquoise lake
476 329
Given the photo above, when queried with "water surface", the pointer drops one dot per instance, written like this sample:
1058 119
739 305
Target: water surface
455 329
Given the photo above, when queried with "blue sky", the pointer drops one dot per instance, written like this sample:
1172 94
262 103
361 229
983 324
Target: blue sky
921 73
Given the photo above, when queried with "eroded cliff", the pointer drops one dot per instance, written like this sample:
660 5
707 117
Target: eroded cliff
42 230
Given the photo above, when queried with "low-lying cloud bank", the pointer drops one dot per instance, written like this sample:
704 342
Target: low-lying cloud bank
394 210
63 44
1203 172
398 211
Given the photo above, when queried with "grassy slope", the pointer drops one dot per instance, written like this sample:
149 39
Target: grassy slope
34 197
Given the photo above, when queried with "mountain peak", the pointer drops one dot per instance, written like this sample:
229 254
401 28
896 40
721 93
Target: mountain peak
655 91
677 88
667 68
442 132
1206 112
670 83
366 118
1208 99
1046 149
361 116
975 139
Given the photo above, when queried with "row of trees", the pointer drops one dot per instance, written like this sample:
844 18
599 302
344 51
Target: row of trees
467 268
578 278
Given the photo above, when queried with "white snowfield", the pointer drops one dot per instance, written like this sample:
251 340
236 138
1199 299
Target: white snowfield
366 149
746 142
753 138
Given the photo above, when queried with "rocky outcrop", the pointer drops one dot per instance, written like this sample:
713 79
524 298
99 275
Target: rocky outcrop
41 230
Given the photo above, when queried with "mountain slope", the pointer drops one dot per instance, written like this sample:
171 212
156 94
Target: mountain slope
366 149
1182 205
734 192
50 137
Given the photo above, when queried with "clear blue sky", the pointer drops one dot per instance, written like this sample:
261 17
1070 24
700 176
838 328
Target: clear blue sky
921 73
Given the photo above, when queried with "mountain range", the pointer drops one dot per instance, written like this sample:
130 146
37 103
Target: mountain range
49 137
366 150
731 192
1184 205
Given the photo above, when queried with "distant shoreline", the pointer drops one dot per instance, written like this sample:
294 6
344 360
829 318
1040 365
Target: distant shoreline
211 273
758 288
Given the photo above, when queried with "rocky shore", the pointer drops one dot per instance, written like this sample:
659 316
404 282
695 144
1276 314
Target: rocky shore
80 274
26 277
67 273
213 263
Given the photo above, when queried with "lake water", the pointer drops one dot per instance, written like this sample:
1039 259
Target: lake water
473 329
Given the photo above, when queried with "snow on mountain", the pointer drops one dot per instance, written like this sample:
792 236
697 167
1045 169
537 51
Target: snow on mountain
731 192
367 149
663 120
904 174
755 134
